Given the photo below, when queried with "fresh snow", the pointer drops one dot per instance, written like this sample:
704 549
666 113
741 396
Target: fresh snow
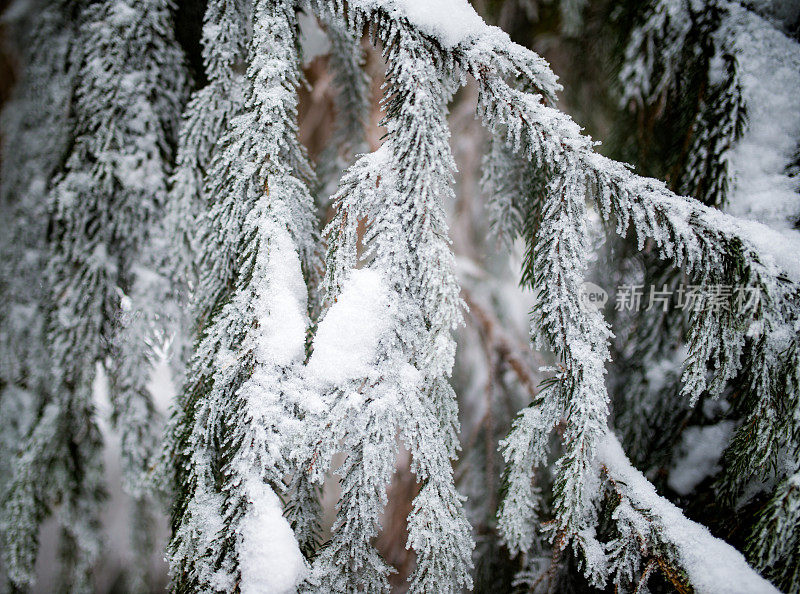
450 21
780 246
711 564
270 560
281 305
348 336
774 246
700 451
769 70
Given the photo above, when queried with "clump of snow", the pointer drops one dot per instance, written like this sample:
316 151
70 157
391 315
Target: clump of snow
281 305
781 246
711 564
348 336
700 451
269 557
450 21
769 71
774 246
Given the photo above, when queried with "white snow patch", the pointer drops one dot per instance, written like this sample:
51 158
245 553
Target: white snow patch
711 564
701 448
769 69
450 21
161 384
348 336
781 246
269 557
281 305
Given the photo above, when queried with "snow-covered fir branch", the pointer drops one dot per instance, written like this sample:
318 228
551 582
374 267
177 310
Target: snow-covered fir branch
351 99
205 119
113 185
35 124
710 246
242 400
400 382
139 225
652 530
747 59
